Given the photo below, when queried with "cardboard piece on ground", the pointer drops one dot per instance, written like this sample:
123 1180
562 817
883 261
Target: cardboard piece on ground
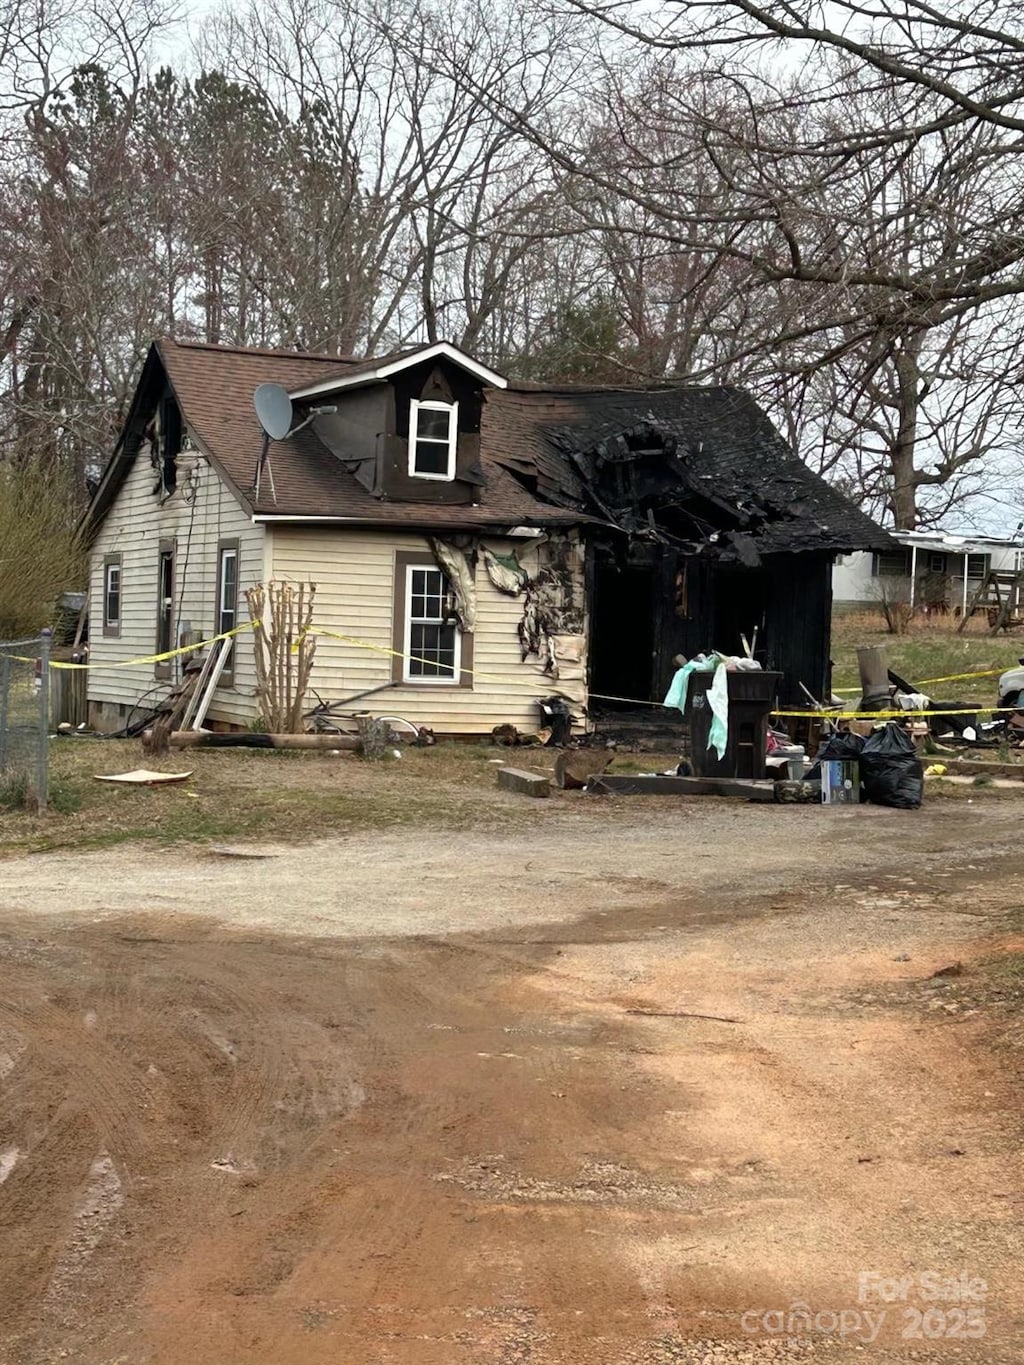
142 777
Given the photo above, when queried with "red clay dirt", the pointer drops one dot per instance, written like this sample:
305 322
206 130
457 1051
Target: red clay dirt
509 1143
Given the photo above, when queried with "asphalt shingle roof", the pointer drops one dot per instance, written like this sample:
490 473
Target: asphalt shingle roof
724 440
214 387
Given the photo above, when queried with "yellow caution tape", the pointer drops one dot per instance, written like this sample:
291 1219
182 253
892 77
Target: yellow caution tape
930 682
895 715
146 658
531 683
966 677
470 672
825 714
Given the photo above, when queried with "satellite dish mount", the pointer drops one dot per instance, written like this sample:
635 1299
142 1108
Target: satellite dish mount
273 406
274 411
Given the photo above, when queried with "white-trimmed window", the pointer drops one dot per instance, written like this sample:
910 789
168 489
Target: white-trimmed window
227 601
433 433
165 640
112 595
433 641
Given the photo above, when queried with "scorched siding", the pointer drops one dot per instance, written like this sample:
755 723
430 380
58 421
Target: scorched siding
135 528
354 573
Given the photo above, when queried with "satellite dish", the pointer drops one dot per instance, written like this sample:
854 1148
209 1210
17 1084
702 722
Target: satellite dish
274 409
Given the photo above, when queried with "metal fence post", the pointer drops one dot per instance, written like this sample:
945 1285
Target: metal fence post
5 697
42 762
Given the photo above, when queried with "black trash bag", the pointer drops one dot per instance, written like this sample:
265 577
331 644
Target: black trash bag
842 746
890 770
557 714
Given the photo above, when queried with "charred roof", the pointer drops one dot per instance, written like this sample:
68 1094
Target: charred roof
700 467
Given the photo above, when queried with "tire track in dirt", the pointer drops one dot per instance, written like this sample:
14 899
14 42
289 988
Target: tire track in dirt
271 1070
356 1075
94 1074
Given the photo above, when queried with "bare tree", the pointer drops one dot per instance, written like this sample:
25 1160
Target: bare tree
865 261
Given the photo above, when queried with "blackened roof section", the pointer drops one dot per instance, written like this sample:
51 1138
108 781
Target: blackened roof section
707 466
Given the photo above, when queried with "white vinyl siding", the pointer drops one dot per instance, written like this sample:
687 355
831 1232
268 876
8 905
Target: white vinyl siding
136 528
354 571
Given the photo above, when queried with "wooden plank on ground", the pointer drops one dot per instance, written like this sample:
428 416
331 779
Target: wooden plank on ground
749 789
528 784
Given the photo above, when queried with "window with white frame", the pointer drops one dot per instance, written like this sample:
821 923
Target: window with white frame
433 433
165 640
433 642
227 600
977 566
112 595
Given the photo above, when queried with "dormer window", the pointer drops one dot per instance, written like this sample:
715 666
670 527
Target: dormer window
433 433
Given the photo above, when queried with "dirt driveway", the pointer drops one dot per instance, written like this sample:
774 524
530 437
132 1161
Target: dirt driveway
620 1091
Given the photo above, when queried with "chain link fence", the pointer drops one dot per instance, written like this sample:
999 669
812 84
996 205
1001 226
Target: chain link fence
24 721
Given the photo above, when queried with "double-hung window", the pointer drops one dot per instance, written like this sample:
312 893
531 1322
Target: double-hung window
165 640
112 595
227 600
433 435
433 641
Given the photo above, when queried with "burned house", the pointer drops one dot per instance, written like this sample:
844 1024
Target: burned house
475 543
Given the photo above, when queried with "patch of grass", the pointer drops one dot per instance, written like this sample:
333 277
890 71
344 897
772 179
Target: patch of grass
14 791
928 650
64 797
1015 918
239 794
1007 967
